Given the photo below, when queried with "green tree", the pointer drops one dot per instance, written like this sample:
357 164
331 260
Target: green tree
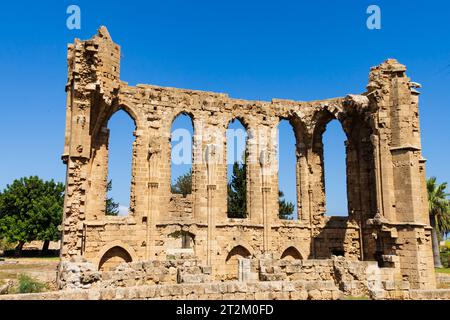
183 185
31 209
286 208
439 211
112 208
237 191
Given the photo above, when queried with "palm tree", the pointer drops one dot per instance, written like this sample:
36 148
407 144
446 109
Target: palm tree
439 210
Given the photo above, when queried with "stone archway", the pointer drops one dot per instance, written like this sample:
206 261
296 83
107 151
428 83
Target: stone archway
291 253
114 254
113 257
232 261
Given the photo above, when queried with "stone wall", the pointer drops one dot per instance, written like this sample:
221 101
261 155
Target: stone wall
443 280
176 269
263 278
180 207
355 278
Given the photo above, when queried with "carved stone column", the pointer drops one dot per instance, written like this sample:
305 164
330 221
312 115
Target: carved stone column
154 153
211 156
265 161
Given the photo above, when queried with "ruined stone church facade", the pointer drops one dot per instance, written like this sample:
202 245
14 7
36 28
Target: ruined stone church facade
387 200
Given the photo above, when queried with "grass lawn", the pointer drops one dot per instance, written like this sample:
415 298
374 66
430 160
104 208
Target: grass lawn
356 298
443 270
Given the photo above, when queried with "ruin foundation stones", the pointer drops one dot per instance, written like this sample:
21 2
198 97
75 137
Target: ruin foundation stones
387 230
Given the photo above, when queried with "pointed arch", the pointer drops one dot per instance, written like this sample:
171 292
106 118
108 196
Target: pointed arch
113 257
321 119
242 120
183 113
232 261
113 254
331 149
238 250
291 253
128 110
105 111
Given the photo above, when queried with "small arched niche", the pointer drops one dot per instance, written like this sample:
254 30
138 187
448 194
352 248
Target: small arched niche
232 261
291 253
114 257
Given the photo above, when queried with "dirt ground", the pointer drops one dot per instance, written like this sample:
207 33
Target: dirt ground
43 269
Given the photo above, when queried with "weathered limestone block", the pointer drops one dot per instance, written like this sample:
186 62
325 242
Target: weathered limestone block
76 275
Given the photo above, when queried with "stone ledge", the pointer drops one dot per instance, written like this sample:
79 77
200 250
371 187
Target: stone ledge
438 294
280 290
277 290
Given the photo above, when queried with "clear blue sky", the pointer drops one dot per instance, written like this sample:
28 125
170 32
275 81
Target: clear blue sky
299 50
